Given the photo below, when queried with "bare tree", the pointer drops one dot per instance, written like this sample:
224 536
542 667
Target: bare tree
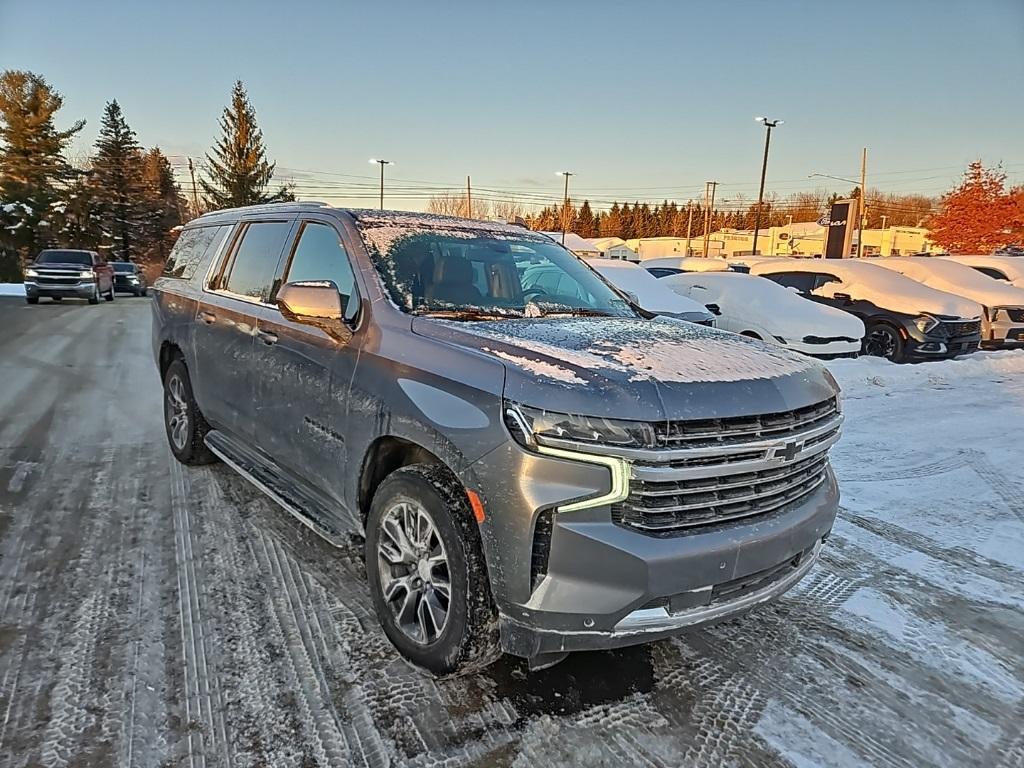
456 204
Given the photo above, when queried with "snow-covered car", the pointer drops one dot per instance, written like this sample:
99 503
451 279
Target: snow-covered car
757 307
903 319
1002 319
1007 268
649 293
675 265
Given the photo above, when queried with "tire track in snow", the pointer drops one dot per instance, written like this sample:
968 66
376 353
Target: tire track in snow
202 705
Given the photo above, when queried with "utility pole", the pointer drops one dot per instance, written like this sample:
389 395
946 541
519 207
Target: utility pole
768 124
709 203
195 195
565 202
469 198
863 203
689 224
381 163
884 219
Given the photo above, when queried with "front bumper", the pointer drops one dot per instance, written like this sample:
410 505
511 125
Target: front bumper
1005 332
924 347
80 290
608 587
827 351
127 286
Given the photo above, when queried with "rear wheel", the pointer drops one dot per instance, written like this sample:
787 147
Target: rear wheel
183 421
427 574
882 340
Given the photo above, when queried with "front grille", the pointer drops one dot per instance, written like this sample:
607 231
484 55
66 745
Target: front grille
673 505
52 280
713 432
826 339
714 471
961 327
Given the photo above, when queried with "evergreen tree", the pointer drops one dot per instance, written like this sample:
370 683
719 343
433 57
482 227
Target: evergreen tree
239 170
627 228
164 204
586 224
32 163
611 222
117 182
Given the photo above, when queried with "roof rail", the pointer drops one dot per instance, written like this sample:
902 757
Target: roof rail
264 206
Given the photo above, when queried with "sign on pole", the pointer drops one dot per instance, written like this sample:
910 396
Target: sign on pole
842 219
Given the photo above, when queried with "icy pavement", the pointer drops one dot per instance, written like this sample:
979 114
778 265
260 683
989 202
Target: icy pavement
152 615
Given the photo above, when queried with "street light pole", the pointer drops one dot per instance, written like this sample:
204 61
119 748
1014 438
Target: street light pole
382 163
768 124
565 201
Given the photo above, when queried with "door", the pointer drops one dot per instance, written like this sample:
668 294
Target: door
225 325
303 375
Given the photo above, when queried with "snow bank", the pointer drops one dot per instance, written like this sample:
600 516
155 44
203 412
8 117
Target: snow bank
866 376
12 289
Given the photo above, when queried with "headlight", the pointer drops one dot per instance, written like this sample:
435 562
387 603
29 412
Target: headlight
532 426
86 274
31 273
926 323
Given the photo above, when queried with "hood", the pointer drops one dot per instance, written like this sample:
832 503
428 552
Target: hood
958 279
60 265
630 368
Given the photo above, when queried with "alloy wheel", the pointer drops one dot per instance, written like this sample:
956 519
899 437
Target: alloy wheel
413 569
881 342
177 412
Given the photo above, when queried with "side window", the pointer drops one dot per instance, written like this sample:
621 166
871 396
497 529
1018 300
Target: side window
802 281
192 247
320 255
254 263
993 273
822 279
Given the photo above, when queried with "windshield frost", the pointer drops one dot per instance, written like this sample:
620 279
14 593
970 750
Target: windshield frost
476 274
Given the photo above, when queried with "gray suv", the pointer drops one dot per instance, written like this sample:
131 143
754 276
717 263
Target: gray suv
533 472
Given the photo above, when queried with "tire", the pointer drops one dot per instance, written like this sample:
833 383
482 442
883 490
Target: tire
883 340
110 295
95 298
183 421
31 299
145 291
467 639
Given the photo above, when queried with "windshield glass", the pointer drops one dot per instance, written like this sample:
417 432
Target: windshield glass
123 266
65 257
471 274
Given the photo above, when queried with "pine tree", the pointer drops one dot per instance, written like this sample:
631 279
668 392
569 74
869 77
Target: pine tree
611 222
32 163
627 227
239 169
164 203
586 225
117 182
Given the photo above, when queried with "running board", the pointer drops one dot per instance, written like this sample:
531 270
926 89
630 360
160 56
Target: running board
302 506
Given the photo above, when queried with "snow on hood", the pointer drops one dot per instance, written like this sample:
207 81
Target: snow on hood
955 278
650 293
637 369
770 305
882 287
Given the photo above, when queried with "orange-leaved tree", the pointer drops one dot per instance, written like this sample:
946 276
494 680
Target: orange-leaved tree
979 214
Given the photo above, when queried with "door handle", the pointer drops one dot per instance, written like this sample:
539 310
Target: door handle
207 317
267 337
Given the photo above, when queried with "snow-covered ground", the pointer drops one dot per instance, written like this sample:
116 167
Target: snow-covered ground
12 289
152 614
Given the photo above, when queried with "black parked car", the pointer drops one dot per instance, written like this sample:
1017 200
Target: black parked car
128 278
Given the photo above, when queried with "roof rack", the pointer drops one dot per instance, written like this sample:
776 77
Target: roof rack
267 206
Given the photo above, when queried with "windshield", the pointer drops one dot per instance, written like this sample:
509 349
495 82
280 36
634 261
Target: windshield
475 275
65 257
123 266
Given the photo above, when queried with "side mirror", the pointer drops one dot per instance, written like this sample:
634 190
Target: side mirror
844 297
317 303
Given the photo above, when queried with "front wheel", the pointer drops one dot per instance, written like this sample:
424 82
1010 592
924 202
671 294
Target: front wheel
427 574
183 421
882 340
95 298
110 295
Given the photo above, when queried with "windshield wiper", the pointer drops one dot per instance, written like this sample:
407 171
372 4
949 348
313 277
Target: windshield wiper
574 312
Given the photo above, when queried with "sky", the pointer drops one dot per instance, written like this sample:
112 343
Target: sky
640 100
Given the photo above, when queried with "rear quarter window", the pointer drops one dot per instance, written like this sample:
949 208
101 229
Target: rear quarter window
192 248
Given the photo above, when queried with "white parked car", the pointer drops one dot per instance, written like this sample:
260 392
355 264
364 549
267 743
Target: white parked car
754 306
904 320
674 265
1007 268
1002 319
649 293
